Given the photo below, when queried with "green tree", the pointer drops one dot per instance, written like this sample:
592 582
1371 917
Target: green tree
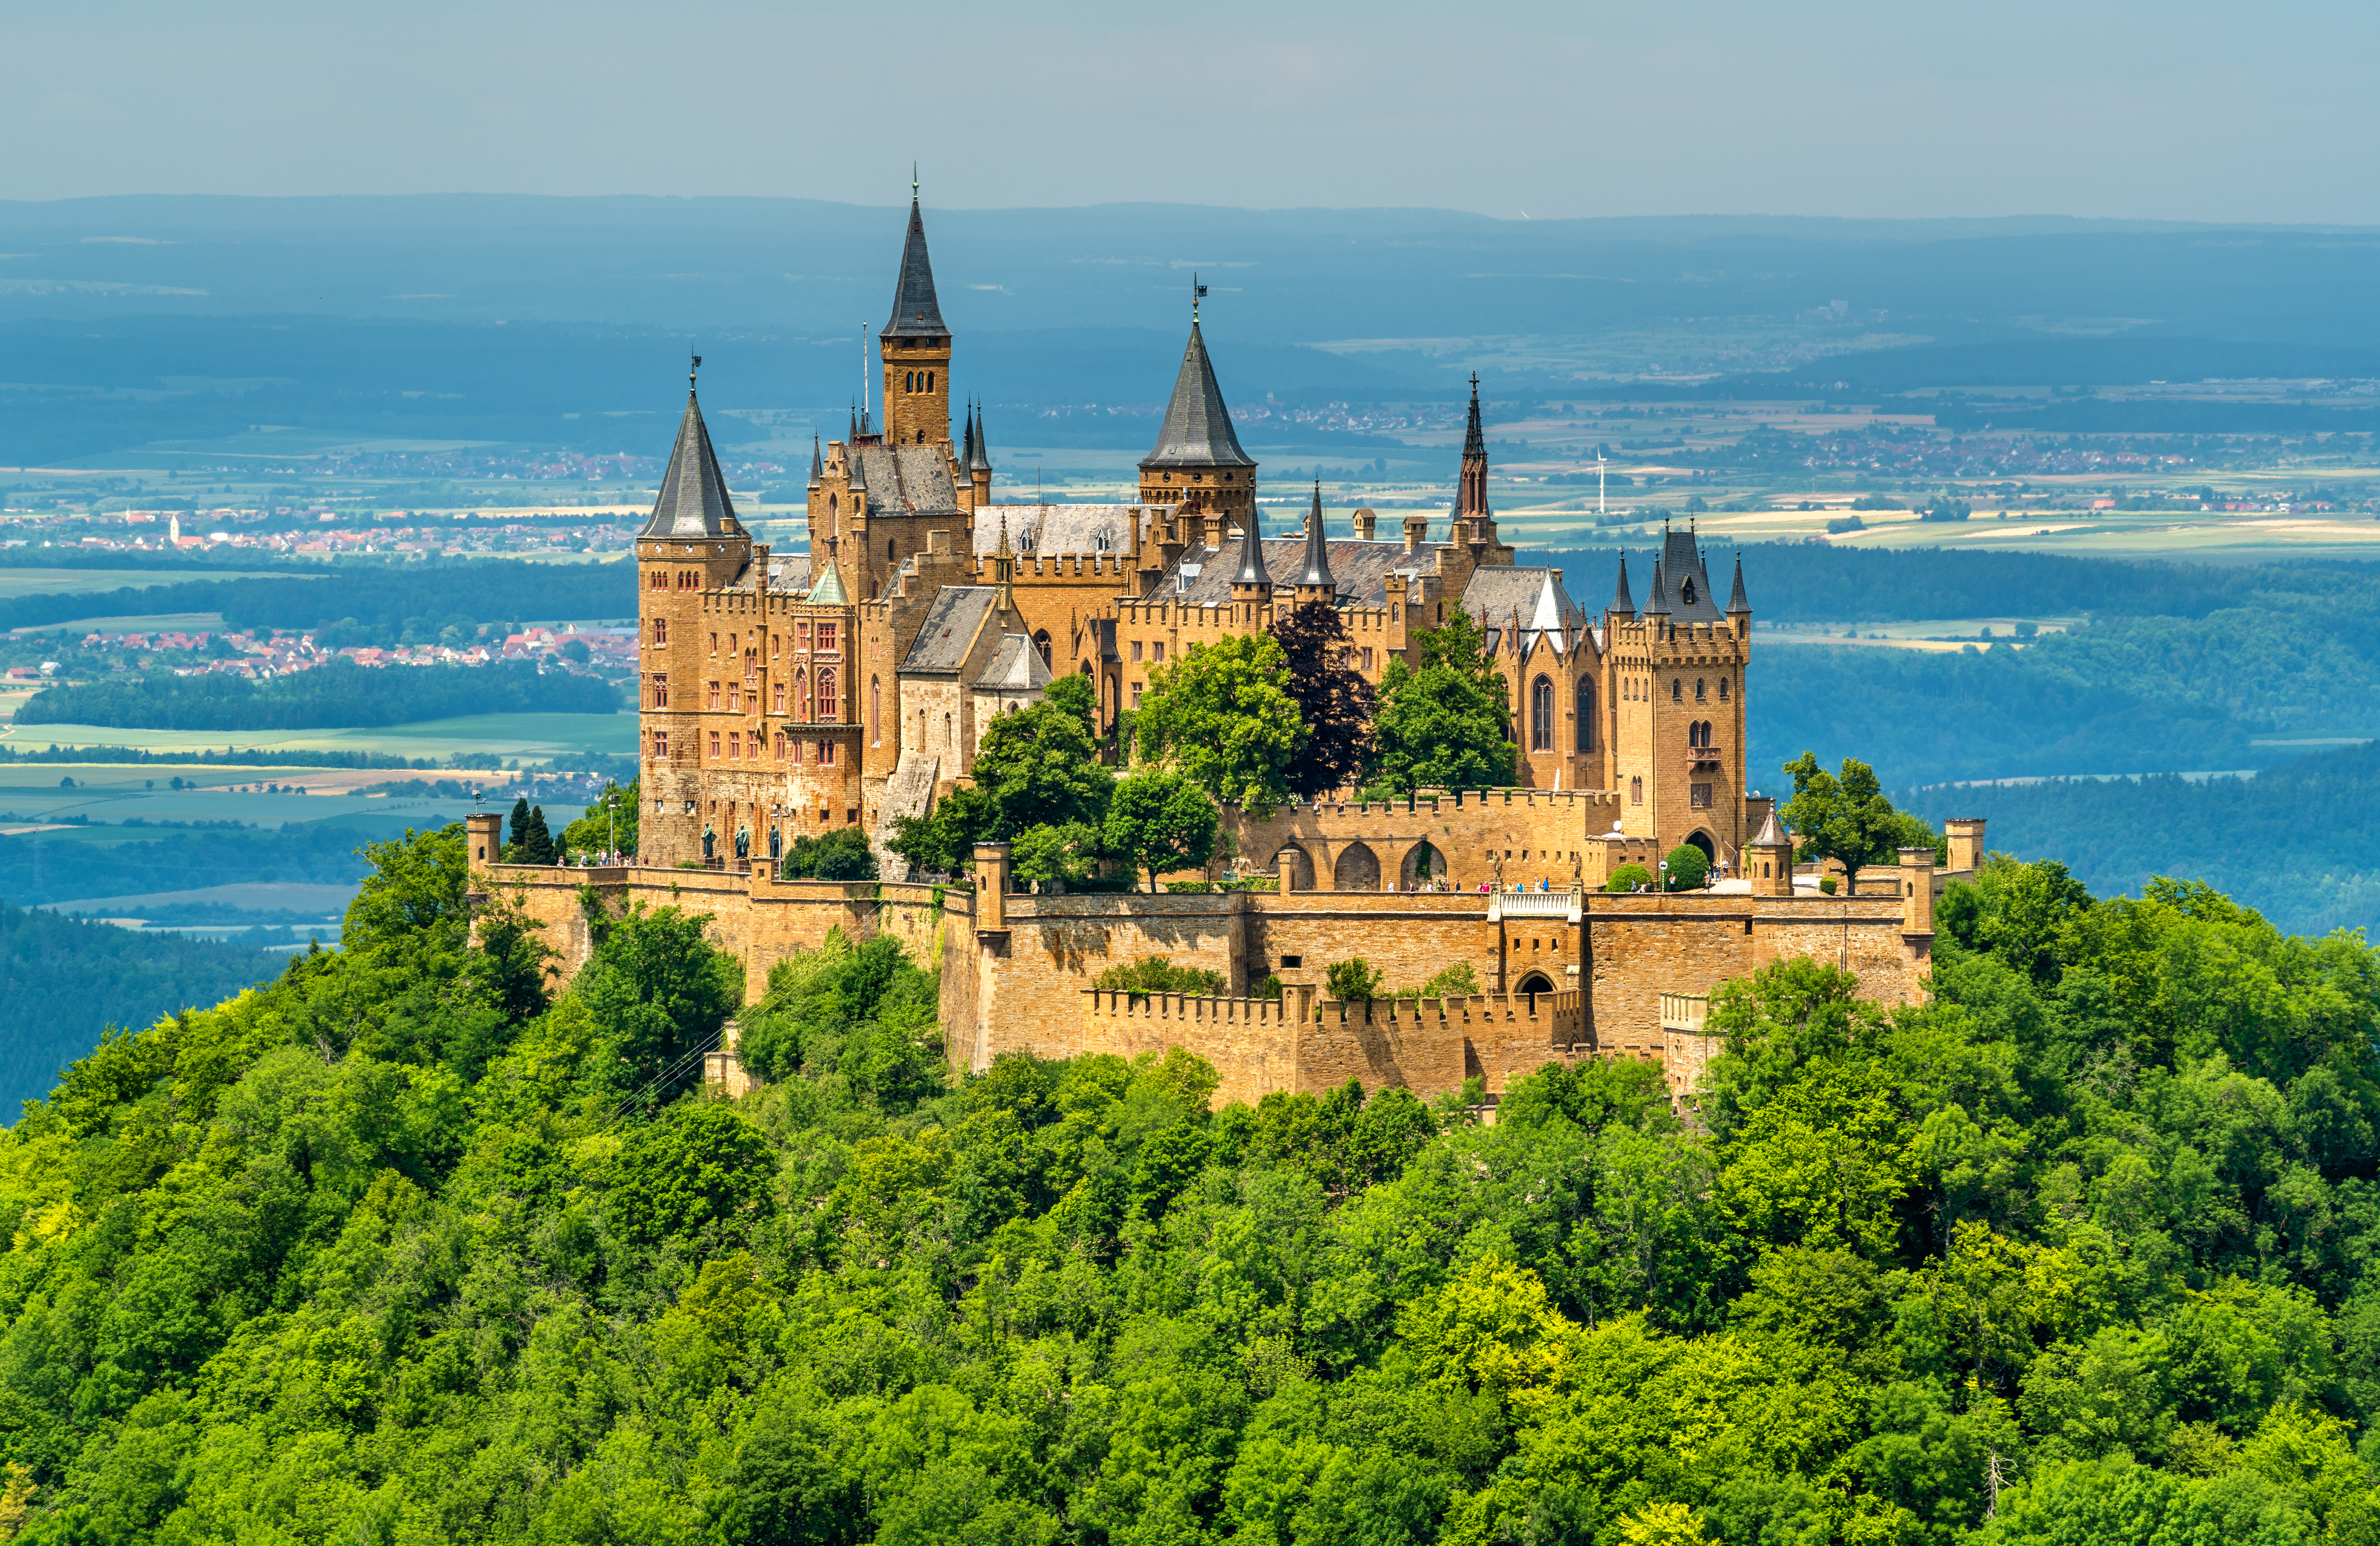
1334 699
1447 724
1686 868
840 855
944 839
657 991
1054 854
1159 821
1353 981
1041 768
1628 877
700 1173
1847 819
609 825
1222 716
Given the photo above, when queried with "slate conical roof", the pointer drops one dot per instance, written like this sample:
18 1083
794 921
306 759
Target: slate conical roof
1198 430
1317 553
1656 601
818 463
1252 564
1737 601
967 447
916 312
979 459
1621 601
693 500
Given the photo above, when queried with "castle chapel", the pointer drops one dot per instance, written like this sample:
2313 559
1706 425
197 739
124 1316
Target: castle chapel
784 694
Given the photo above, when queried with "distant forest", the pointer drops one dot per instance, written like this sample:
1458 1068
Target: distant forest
2300 843
64 981
379 603
339 695
37 867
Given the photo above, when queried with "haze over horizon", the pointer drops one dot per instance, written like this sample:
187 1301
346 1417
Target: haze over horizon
2196 112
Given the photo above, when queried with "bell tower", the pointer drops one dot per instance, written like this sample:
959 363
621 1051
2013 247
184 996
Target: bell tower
915 348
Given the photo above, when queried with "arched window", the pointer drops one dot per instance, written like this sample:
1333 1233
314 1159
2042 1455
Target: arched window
1677 690
1722 690
1700 695
1541 714
1041 643
802 694
1584 736
833 516
874 710
830 711
930 381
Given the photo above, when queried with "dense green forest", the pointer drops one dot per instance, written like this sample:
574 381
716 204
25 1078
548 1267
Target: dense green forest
63 980
2122 694
42 866
396 1250
2299 842
381 604
1819 582
328 696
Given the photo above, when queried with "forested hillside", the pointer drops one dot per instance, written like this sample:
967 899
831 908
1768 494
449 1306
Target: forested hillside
394 1250
380 601
2300 843
328 696
64 981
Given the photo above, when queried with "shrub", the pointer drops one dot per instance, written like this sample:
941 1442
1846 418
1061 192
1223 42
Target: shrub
1687 868
1155 974
840 855
1827 884
1269 988
1845 523
1457 980
1628 877
1352 981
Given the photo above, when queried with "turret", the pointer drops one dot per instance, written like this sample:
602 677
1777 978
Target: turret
1197 454
1251 583
978 466
915 348
1739 606
818 463
1314 581
1623 605
1474 523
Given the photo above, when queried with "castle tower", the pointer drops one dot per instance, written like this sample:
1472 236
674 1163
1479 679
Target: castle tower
690 546
1314 581
916 348
978 461
1676 676
1251 583
1197 457
1473 523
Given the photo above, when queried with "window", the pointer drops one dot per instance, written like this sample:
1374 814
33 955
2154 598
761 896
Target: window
802 694
781 698
875 712
660 630
752 665
714 743
802 636
714 695
660 692
1041 644
660 743
776 646
1367 660
780 746
1157 651
1135 695
1722 690
735 698
830 711
1699 795
826 754
735 743
1700 697
1136 650
887 549
1541 714
714 644
1582 733
1677 690
826 639
1636 791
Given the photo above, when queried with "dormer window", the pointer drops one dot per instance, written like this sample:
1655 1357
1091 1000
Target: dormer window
1687 592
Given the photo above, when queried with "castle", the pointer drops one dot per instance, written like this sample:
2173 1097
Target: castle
784 694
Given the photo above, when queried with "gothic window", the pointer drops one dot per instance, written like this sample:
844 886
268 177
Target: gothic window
1687 592
1041 643
1584 706
833 516
776 646
1678 690
751 666
1636 791
802 695
876 711
930 385
1699 693
1722 690
714 645
826 754
660 630
802 636
1541 714
829 710
660 692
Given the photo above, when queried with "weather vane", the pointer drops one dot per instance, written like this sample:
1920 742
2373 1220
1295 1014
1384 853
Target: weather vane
690 370
1198 294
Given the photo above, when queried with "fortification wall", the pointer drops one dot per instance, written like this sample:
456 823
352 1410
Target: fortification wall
1533 833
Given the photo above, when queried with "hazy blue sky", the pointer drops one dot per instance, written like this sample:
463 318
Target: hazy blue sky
2178 109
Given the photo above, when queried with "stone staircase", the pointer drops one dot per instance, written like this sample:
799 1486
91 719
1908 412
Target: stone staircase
909 792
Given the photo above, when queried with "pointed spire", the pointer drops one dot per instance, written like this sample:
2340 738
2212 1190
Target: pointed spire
858 472
1252 564
966 450
916 312
1621 601
1771 834
1737 602
981 461
1317 553
1658 600
855 426
1198 428
828 591
693 500
1471 491
818 461
1474 438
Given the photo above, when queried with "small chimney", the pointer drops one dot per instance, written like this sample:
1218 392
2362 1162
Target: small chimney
1365 523
1417 532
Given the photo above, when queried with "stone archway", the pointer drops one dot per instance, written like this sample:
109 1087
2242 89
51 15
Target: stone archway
1422 862
1702 840
1302 863
1536 982
1358 870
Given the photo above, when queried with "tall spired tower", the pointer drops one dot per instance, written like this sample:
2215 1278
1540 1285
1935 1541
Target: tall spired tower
1197 459
916 348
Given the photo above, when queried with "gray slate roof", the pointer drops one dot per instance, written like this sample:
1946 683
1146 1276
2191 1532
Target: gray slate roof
916 312
1685 585
906 480
1059 528
1198 430
1361 568
1544 606
693 500
789 571
952 624
1015 665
